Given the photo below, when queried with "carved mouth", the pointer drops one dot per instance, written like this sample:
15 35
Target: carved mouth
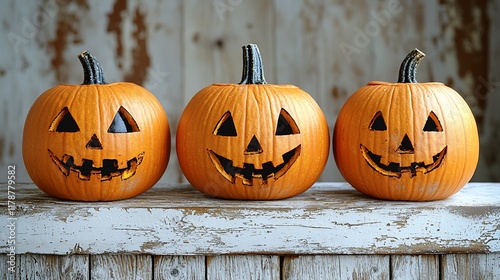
108 171
394 169
248 171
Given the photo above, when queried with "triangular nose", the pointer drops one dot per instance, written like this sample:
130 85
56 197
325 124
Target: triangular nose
94 143
253 147
406 147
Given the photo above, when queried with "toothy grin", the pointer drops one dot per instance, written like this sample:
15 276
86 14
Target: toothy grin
108 170
248 171
394 169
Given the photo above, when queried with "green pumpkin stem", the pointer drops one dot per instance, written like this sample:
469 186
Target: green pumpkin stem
253 70
92 71
408 69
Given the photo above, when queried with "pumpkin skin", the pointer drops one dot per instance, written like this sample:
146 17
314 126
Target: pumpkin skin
253 140
406 140
96 141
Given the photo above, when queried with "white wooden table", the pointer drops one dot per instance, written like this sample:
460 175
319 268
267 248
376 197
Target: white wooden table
329 232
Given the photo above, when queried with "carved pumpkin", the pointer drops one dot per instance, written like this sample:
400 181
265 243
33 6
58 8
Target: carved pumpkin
406 140
96 141
252 140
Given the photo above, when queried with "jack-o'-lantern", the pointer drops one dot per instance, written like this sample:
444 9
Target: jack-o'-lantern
252 140
96 141
406 140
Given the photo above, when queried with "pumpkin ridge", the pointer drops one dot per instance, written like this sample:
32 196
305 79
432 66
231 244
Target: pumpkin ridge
224 166
47 152
442 159
459 106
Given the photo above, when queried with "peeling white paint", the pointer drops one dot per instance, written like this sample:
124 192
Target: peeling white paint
330 218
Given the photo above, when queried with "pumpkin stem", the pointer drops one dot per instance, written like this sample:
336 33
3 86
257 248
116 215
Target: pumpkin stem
408 69
92 71
253 70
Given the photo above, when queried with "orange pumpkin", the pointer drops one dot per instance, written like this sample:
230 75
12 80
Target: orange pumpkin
252 140
96 141
406 140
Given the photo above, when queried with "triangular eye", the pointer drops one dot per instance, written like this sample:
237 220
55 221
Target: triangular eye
123 122
225 126
378 123
432 123
64 122
286 125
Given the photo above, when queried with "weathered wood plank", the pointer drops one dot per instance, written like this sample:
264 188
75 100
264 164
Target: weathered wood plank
179 267
470 266
214 32
243 267
111 266
308 36
417 267
326 267
488 92
8 269
164 33
183 221
34 266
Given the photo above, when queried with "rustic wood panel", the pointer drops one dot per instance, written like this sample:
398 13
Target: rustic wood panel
179 267
175 48
488 91
417 267
35 266
336 267
179 220
243 267
470 266
4 267
214 32
452 266
308 34
111 266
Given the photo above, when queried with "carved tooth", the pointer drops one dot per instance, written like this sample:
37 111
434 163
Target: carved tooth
83 177
130 171
106 177
68 160
64 169
246 182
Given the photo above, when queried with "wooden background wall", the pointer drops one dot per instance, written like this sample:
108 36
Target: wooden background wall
175 48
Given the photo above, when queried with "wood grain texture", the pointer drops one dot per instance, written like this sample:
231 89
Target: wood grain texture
324 267
179 267
179 220
417 267
244 267
470 266
332 267
35 266
111 266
